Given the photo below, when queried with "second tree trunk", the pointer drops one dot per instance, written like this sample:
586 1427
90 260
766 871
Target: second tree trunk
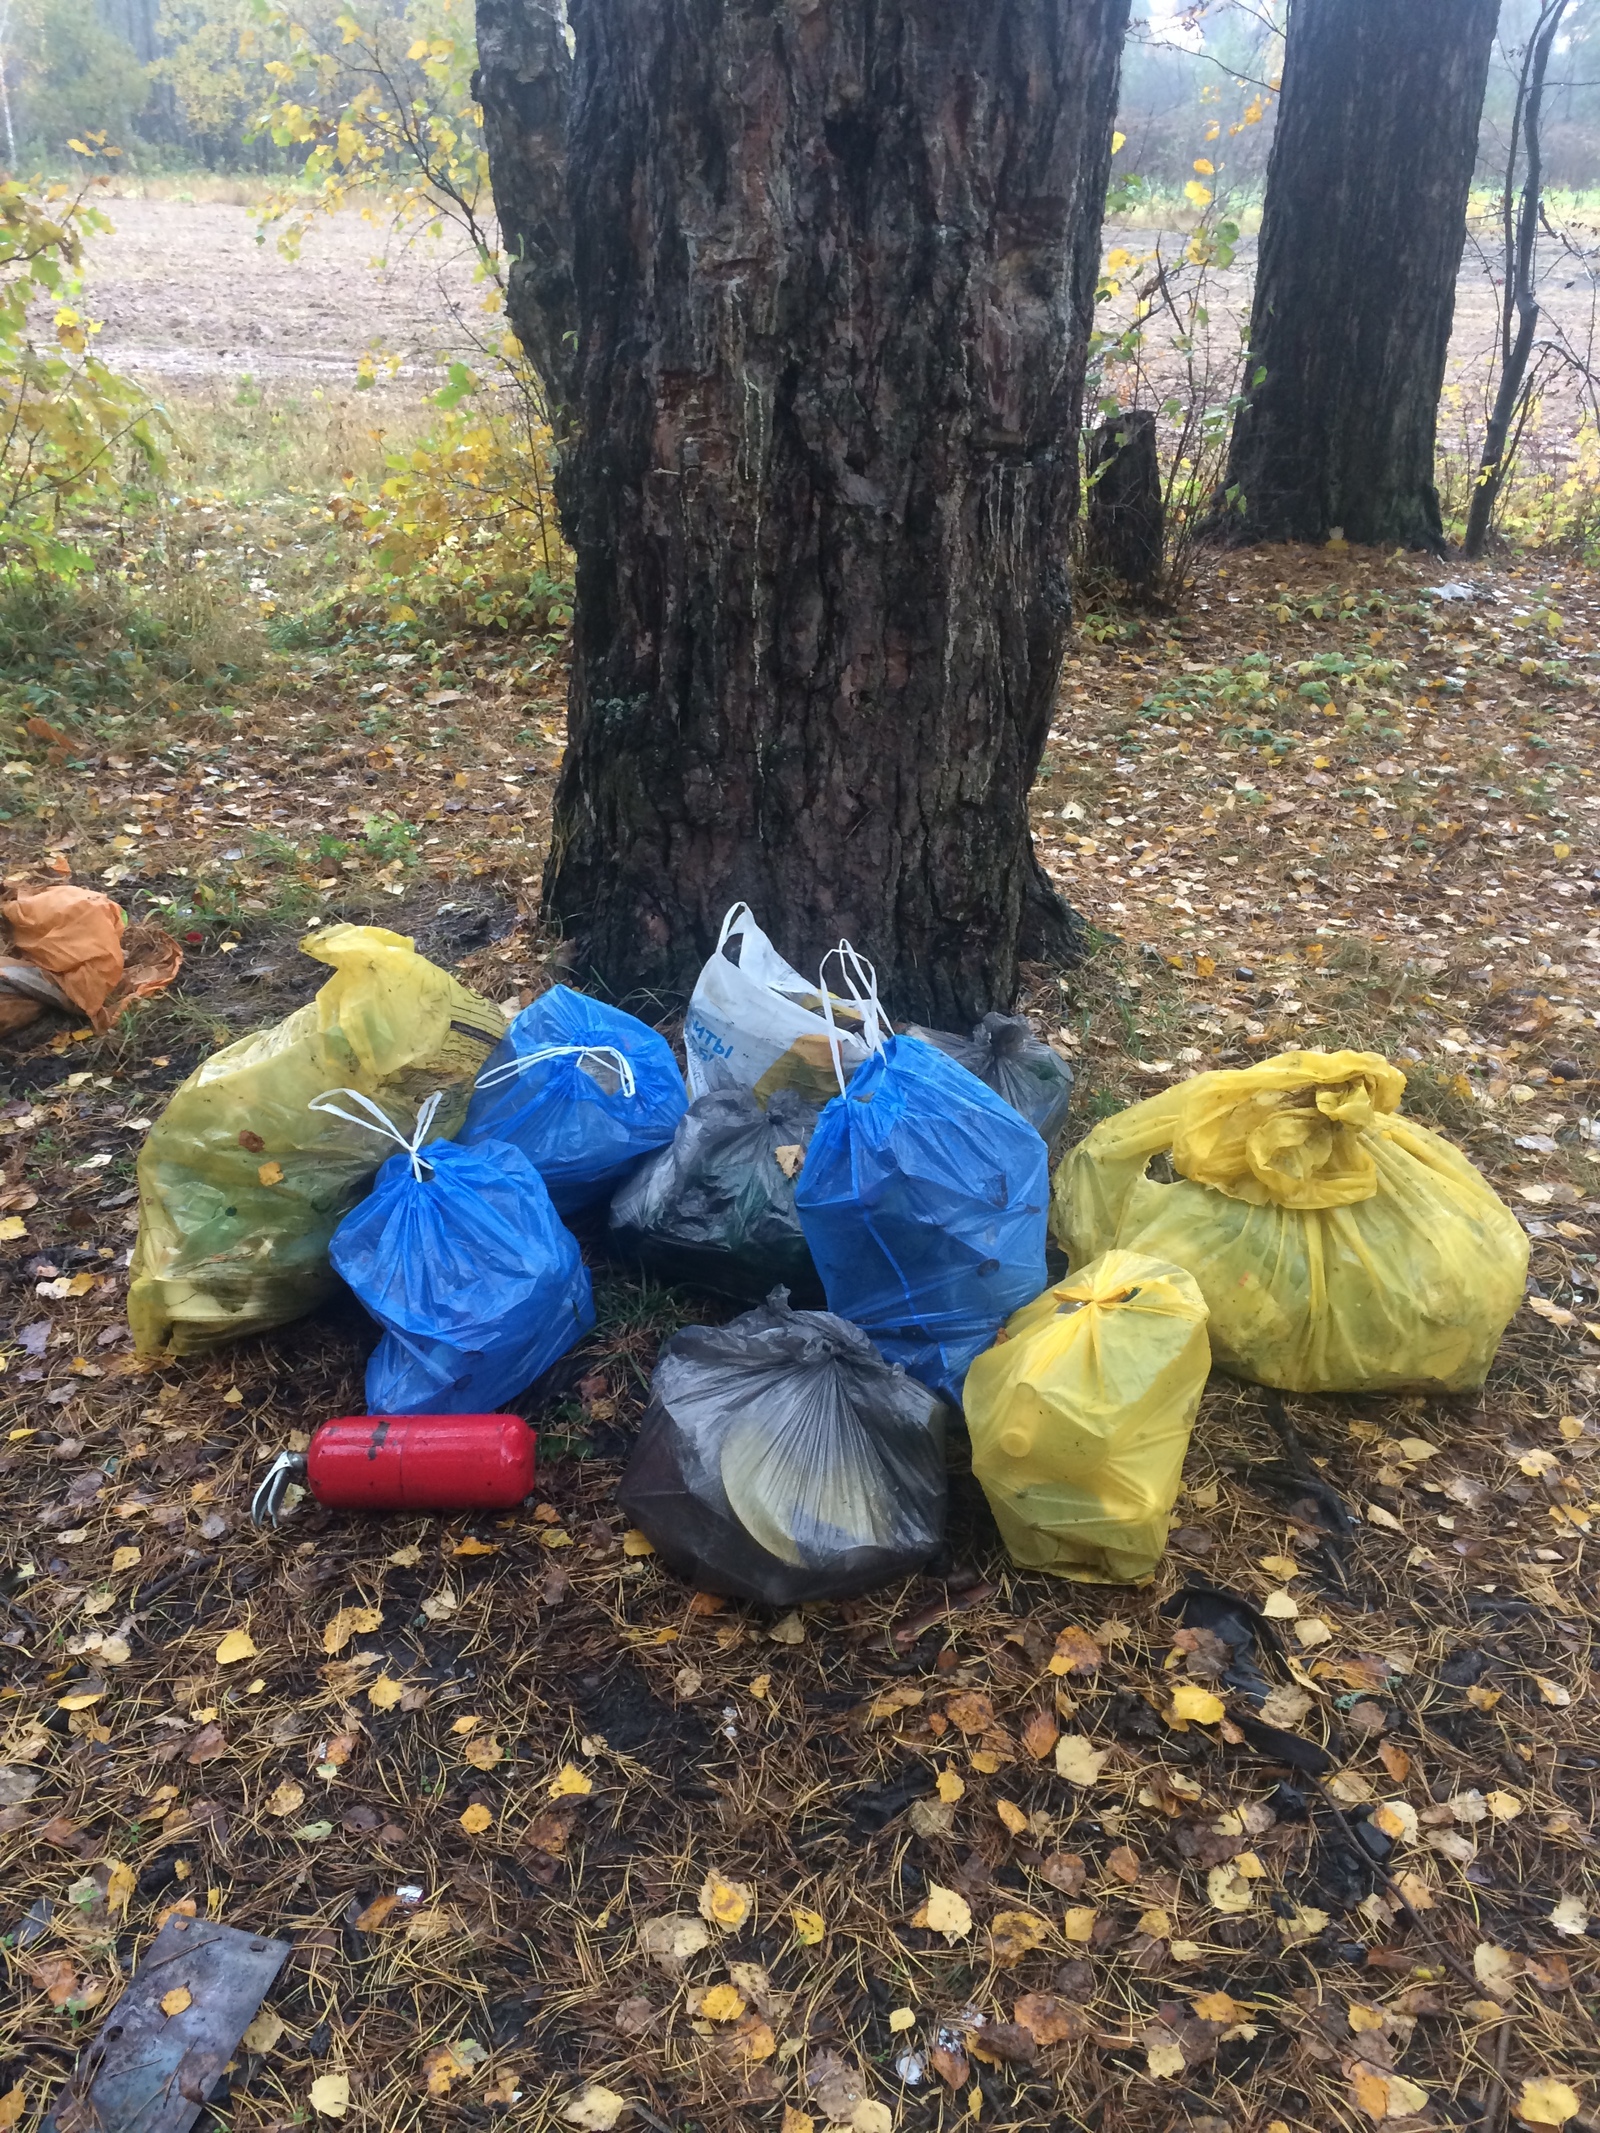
1361 242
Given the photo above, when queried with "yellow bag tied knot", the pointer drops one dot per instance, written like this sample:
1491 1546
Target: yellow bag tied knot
1080 1417
1293 1130
1340 1246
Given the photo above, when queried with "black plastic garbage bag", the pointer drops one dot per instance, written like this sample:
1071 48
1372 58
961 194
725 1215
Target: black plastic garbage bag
715 1207
782 1459
1005 1054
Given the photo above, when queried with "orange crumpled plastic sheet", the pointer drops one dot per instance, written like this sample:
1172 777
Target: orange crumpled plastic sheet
81 940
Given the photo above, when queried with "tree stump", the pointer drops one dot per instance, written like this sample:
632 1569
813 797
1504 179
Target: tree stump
1127 520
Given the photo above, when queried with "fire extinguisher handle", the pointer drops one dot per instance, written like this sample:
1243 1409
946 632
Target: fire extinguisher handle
267 1501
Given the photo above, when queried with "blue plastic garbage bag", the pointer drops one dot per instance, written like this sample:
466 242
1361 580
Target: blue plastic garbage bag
583 1090
460 1257
924 1199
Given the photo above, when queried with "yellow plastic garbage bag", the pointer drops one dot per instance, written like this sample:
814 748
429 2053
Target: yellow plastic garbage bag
1341 1247
1080 1416
241 1184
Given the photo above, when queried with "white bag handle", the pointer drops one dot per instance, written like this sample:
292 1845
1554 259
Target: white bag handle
378 1121
860 986
728 923
620 1062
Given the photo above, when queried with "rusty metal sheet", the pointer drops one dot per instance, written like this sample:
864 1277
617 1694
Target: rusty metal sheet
149 2071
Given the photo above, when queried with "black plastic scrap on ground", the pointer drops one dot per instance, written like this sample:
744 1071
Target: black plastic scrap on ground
150 2072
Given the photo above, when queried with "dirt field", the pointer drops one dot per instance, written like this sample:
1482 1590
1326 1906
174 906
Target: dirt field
186 292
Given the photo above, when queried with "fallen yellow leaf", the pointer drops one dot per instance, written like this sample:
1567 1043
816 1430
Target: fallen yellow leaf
270 1173
120 1887
1217 2007
330 2095
570 1782
476 1819
236 1645
285 1798
1012 1816
1229 1890
483 1752
124 1558
385 1693
1078 1760
175 2001
1078 1924
950 1787
636 1544
944 1912
1196 1705
1545 2101
725 1903
264 2031
1398 1821
473 1546
594 2108
1014 1934
350 1622
722 2003
809 1927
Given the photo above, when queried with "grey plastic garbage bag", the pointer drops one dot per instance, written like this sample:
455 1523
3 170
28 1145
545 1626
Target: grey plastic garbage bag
1006 1054
781 1459
715 1208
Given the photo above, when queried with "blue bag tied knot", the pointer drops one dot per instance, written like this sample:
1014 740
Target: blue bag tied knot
379 1121
618 1061
463 1261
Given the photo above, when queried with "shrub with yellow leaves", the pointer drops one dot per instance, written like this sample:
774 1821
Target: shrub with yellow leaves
68 424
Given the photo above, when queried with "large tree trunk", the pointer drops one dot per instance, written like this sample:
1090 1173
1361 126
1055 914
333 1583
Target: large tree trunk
834 271
1361 241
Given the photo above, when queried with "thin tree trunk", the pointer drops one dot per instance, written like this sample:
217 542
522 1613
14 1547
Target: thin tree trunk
1361 240
834 282
1519 302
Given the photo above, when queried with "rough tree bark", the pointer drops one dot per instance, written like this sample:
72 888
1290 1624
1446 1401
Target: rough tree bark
833 272
524 82
1361 240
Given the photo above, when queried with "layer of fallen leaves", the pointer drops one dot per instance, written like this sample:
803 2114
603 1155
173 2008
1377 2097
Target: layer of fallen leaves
556 1838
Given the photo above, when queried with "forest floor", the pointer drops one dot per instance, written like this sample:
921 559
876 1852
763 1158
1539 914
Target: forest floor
468 1768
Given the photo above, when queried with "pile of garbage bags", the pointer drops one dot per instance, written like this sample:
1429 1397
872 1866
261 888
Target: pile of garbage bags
884 1200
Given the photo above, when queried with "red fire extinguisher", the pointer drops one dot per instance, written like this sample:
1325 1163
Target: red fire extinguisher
407 1463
